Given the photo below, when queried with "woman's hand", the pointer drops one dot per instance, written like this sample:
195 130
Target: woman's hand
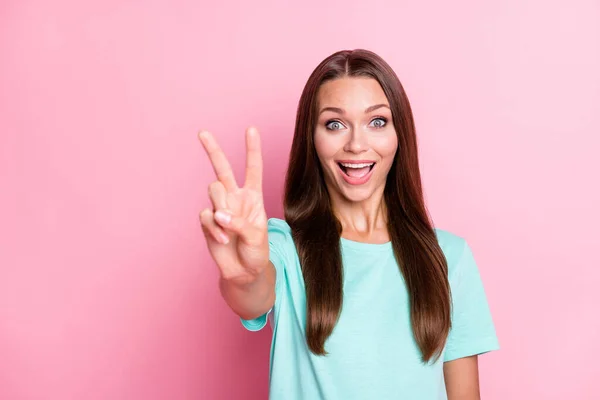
236 228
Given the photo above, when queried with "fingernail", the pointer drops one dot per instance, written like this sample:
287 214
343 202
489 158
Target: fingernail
222 217
202 134
224 238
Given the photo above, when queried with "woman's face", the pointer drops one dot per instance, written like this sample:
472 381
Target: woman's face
355 137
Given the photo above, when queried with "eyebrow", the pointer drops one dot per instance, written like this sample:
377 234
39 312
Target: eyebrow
340 111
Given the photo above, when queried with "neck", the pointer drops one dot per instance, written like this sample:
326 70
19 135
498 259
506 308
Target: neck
365 218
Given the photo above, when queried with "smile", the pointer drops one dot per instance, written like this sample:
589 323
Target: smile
356 173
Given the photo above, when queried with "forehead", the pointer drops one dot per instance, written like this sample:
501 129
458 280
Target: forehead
351 93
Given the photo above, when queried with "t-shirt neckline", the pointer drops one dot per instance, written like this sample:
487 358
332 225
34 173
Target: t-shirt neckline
352 244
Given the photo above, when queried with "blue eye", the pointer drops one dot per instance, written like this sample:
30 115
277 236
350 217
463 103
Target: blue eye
334 125
381 122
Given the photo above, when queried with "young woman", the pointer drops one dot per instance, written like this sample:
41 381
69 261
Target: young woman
366 299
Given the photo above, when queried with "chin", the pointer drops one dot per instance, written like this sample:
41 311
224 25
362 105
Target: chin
355 195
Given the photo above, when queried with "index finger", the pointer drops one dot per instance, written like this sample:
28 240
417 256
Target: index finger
254 167
218 160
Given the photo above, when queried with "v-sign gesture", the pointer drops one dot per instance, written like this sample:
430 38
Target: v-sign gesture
236 227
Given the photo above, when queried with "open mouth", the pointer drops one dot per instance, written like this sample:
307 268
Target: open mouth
356 170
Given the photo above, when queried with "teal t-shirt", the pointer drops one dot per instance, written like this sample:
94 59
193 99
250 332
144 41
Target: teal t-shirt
372 352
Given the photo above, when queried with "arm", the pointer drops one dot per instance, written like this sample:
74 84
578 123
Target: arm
462 379
251 299
472 333
236 231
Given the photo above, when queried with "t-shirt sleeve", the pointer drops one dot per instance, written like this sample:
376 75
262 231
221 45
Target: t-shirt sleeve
472 330
279 242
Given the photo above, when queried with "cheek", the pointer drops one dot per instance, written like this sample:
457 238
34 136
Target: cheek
387 146
324 146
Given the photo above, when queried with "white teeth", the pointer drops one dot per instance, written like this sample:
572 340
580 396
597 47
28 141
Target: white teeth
349 165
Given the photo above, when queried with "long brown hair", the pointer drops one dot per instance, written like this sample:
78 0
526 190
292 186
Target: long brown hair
316 231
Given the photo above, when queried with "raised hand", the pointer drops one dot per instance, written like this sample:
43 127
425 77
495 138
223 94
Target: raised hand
236 228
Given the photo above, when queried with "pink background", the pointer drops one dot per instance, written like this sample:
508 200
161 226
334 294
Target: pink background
106 287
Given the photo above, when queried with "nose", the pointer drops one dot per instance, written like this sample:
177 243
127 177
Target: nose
357 141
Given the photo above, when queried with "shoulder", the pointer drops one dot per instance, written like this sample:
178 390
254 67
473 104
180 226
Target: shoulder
472 330
455 248
279 231
280 237
278 225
